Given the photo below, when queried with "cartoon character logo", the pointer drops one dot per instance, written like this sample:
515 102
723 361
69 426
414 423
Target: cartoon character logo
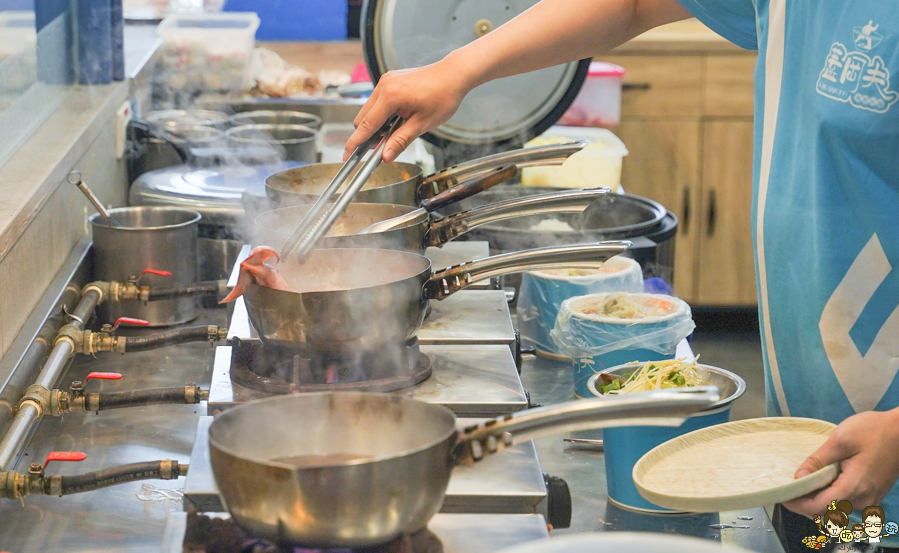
855 77
834 526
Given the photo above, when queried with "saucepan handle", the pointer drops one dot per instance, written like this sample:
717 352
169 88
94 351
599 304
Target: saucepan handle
660 408
572 201
470 188
581 256
554 154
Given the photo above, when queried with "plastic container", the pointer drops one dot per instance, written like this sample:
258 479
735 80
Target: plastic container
208 52
596 342
624 446
542 293
598 104
297 20
599 164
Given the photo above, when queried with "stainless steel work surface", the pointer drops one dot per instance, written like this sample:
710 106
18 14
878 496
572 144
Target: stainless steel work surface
472 381
126 517
457 533
510 482
469 317
584 469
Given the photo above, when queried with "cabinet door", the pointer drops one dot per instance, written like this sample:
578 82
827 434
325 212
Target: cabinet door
663 165
660 86
726 269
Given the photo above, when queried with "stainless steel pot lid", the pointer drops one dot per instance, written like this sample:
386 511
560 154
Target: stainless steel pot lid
399 34
215 192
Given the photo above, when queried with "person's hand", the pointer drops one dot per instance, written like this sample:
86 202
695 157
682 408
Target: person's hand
866 446
425 98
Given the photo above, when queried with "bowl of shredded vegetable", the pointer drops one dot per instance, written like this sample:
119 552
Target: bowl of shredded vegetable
624 446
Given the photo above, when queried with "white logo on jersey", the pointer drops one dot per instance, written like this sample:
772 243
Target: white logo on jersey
856 77
864 379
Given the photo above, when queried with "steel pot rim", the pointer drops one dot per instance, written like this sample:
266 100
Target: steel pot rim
96 218
312 133
725 402
333 464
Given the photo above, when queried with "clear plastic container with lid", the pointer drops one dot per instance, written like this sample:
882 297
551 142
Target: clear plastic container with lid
598 104
210 51
599 164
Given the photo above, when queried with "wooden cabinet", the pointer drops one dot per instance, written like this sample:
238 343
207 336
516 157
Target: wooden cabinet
687 121
726 271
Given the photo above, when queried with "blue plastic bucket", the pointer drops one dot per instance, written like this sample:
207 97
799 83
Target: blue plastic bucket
542 293
597 342
624 446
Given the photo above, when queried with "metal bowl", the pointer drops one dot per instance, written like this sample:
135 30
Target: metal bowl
192 135
730 385
276 117
180 117
296 142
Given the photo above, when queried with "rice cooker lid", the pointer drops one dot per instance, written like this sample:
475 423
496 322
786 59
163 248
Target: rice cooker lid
400 34
215 192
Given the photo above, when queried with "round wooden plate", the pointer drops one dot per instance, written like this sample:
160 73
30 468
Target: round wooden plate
736 465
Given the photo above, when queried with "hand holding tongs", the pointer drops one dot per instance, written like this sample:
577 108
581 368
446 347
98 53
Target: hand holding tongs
317 221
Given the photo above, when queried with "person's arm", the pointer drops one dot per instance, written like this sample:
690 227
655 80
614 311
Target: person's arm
550 33
866 446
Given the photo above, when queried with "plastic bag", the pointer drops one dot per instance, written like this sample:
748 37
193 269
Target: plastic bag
580 335
542 293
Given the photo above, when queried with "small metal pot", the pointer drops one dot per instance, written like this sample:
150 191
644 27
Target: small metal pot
274 117
404 183
294 142
273 227
178 117
159 238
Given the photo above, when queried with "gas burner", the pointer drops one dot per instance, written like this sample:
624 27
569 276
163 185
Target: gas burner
222 535
280 371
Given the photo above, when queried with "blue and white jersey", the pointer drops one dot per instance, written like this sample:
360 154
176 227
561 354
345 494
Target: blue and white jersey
826 199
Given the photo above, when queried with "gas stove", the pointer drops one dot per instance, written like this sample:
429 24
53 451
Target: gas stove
207 532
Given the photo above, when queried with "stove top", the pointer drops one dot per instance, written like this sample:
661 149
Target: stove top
216 532
470 380
274 370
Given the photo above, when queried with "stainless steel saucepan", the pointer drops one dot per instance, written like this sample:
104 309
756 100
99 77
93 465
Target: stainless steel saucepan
273 227
362 469
403 183
345 300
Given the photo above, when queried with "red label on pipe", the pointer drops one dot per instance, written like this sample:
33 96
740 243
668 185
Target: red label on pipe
103 376
155 272
65 456
130 321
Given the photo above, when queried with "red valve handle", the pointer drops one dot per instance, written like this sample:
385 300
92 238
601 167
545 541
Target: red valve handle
129 321
102 376
65 456
155 272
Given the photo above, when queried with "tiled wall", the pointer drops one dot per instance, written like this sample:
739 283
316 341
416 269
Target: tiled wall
29 267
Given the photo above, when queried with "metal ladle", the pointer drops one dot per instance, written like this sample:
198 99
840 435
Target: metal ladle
75 178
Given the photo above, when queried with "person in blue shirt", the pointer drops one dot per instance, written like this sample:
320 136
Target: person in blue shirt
826 193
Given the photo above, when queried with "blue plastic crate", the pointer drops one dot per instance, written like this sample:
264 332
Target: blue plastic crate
307 20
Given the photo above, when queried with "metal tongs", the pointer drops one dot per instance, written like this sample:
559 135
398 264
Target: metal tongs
318 221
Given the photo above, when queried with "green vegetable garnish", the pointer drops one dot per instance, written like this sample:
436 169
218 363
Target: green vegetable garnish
614 385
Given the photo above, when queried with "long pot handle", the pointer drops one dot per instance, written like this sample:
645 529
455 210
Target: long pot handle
554 154
446 228
660 408
470 187
580 256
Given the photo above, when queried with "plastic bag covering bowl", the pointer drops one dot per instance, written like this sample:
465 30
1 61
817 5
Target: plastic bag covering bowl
542 293
596 342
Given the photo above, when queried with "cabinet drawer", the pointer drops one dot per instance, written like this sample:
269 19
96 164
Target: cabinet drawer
660 85
729 85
